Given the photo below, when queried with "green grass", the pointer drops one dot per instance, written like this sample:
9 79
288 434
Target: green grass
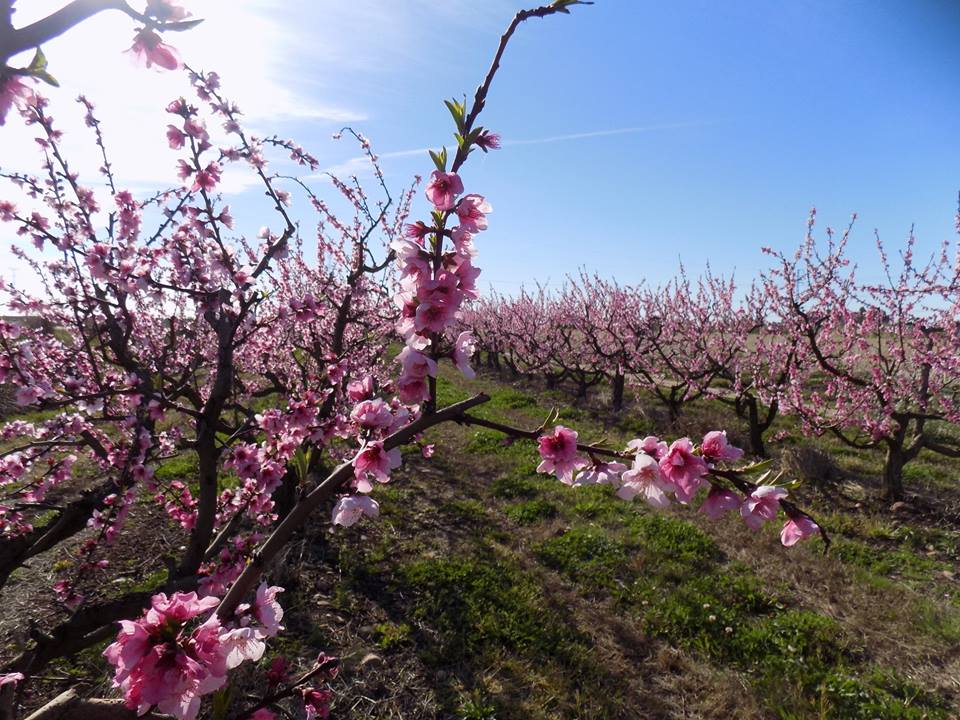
880 561
532 511
515 485
588 556
182 467
484 604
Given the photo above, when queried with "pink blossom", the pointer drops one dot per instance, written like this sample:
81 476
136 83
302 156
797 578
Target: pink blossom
316 703
463 350
157 665
336 372
149 50
236 646
371 414
716 447
683 469
443 189
207 178
488 141
416 231
416 364
797 529
13 91
413 390
604 473
761 505
267 610
175 137
440 290
472 211
375 460
28 395
179 607
559 453
434 316
427 451
467 274
358 390
351 508
8 678
650 445
463 242
719 501
644 479
263 714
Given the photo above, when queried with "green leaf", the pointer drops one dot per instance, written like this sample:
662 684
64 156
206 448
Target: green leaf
458 111
182 25
439 159
301 463
38 69
47 78
222 700
755 467
39 62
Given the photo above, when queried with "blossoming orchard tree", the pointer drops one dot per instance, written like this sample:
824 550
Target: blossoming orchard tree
681 342
162 335
878 363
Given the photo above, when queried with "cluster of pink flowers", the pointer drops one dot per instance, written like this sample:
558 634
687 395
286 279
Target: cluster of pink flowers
371 420
13 91
171 656
679 469
435 281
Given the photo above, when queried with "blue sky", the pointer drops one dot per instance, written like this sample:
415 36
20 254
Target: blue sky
636 133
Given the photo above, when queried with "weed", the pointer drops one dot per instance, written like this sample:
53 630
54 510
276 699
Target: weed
390 635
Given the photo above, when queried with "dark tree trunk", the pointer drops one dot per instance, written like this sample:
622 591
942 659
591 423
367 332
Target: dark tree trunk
619 381
581 389
756 428
893 473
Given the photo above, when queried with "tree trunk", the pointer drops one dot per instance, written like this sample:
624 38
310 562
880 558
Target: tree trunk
893 473
581 389
756 428
618 386
285 496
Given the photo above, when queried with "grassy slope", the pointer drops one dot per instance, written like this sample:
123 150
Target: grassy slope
487 591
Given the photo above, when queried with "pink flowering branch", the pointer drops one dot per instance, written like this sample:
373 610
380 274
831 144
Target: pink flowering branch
16 40
325 666
323 492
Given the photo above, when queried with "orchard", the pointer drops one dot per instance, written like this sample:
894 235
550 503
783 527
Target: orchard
211 432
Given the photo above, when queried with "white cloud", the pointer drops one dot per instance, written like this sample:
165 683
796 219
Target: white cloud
244 40
360 165
605 133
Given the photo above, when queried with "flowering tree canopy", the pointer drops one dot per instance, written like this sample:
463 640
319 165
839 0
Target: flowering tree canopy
160 332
